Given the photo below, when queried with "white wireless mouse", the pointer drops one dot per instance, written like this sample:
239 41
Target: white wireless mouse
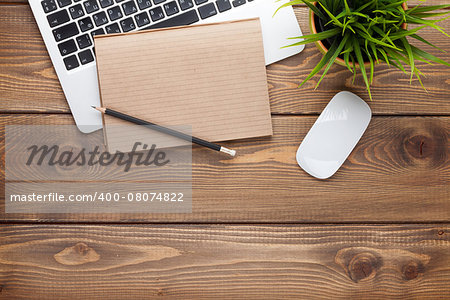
334 135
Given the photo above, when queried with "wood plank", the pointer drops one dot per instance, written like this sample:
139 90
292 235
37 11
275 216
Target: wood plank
28 82
399 172
226 262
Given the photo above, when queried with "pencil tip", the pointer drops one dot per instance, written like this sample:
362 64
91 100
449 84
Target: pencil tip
93 107
228 151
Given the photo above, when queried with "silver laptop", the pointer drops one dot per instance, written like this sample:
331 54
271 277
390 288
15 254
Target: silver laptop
68 28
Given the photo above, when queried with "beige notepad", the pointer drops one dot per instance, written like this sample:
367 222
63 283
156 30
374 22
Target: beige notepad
210 77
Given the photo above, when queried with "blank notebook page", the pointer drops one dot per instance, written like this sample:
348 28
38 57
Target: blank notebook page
210 77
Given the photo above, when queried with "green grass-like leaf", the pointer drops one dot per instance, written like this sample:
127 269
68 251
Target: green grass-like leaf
321 63
335 20
315 37
360 60
333 58
410 55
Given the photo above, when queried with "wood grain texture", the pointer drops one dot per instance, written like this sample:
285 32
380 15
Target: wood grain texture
225 262
28 82
399 172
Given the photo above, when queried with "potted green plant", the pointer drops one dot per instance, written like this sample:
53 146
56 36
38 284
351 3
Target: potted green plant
360 33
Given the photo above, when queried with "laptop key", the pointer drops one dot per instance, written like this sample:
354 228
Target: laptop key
65 32
112 28
84 41
58 18
76 11
99 31
185 18
142 19
171 8
198 2
143 4
237 3
129 8
85 56
86 24
127 24
71 62
156 13
185 4
49 5
115 13
106 3
67 47
158 1
63 3
91 6
100 18
207 10
223 5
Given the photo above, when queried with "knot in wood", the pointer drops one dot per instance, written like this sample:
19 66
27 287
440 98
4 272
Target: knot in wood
411 271
81 249
419 146
78 254
362 266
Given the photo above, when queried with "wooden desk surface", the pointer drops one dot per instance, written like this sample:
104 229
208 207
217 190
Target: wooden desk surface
260 227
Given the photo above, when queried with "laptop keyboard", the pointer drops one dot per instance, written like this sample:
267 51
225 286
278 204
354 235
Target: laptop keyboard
74 23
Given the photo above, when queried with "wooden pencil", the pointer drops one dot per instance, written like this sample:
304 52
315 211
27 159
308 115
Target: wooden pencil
181 135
